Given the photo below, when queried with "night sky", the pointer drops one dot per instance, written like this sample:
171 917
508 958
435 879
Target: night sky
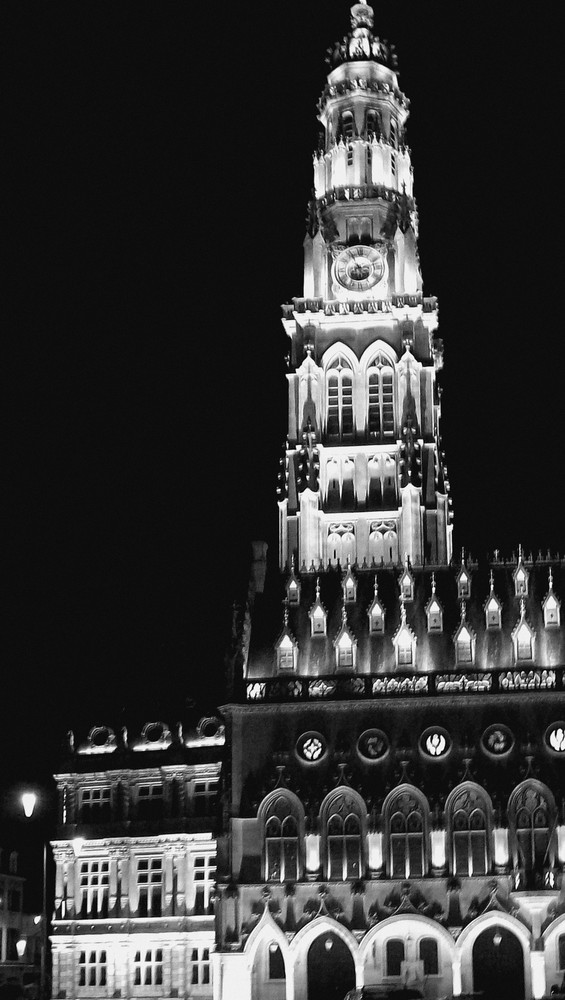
159 162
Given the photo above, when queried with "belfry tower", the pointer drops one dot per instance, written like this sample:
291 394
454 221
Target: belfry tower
363 477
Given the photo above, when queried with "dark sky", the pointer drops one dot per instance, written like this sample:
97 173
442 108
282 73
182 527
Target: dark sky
159 167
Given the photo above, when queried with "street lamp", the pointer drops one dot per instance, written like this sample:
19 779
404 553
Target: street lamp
29 801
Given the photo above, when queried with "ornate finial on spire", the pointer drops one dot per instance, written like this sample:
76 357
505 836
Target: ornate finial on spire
462 556
317 588
344 616
520 552
285 613
462 611
522 608
491 581
292 563
433 583
376 586
361 16
550 579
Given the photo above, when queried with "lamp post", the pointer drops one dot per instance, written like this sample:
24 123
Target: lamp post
29 801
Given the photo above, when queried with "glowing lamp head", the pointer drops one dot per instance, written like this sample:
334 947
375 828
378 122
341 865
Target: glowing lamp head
29 802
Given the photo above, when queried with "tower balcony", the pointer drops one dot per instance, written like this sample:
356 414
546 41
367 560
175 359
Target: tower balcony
341 307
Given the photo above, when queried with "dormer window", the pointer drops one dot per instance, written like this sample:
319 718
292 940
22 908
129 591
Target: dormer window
376 615
404 642
463 584
286 654
293 589
345 646
434 614
493 608
434 611
523 638
406 582
318 615
464 644
349 587
521 577
551 607
286 648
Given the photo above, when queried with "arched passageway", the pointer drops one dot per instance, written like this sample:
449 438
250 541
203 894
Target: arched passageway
331 970
498 965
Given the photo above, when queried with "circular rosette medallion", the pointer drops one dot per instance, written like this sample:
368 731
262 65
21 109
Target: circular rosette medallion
373 744
497 740
311 747
555 738
435 742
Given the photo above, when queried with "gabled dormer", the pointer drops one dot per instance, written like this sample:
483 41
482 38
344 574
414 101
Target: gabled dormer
523 638
318 615
492 608
404 642
376 614
345 645
434 611
464 640
551 607
286 648
520 576
463 580
293 588
406 583
349 585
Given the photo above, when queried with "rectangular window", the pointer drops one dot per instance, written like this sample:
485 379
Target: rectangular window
205 793
95 805
200 966
148 967
204 879
561 947
150 886
150 802
92 968
94 883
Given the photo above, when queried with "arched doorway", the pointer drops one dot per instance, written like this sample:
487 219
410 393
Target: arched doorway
331 969
498 965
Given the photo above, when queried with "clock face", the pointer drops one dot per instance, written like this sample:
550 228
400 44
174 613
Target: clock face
359 268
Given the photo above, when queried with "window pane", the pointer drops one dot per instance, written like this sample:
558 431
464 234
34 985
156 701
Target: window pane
429 956
394 957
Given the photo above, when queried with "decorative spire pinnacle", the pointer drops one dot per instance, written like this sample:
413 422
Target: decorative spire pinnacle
317 588
491 582
463 606
376 587
402 610
285 614
362 16
522 609
433 583
550 579
520 553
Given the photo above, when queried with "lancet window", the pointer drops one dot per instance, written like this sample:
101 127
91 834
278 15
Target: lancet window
347 126
407 826
372 123
532 816
380 399
281 821
469 825
339 387
344 839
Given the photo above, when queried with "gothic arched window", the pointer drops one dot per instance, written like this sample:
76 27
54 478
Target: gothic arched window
380 395
407 831
532 818
344 844
281 825
469 815
339 395
347 126
372 122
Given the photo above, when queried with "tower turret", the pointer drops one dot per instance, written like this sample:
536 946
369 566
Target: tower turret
364 353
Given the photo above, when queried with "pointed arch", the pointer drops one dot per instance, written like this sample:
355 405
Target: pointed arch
340 368
281 818
406 824
468 811
343 822
532 821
